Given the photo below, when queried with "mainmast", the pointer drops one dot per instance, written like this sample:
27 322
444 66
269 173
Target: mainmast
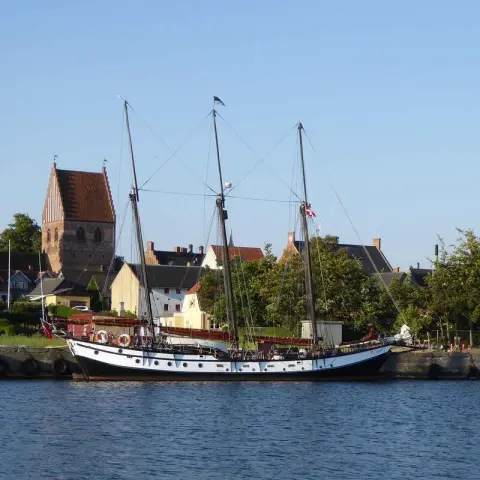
227 274
307 254
134 199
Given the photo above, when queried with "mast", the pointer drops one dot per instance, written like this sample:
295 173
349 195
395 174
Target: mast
227 274
9 268
308 258
41 284
138 230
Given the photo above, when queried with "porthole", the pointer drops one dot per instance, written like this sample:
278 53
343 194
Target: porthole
169 364
156 362
266 370
137 360
96 352
200 365
253 369
239 369
226 369
284 369
303 368
185 364
120 350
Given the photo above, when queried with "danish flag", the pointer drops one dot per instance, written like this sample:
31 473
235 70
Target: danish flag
309 211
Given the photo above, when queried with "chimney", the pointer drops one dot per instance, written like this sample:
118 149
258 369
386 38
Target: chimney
200 250
418 265
396 269
377 243
177 249
184 250
149 246
291 238
190 248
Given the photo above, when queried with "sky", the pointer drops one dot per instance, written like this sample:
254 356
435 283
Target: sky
387 93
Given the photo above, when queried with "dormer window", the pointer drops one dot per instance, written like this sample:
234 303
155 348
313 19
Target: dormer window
80 234
97 236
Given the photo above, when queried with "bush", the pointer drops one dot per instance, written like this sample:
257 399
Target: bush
26 308
109 313
61 311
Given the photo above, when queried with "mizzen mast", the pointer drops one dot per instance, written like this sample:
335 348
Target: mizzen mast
223 216
304 208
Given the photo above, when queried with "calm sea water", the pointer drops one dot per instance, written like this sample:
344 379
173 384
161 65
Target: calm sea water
384 430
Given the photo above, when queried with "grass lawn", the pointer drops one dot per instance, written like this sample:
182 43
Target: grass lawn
32 341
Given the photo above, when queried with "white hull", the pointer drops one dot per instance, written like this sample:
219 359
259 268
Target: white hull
112 362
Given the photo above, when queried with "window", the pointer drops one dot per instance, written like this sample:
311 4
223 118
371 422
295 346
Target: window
18 284
177 307
97 235
55 236
80 234
179 291
166 291
165 307
49 236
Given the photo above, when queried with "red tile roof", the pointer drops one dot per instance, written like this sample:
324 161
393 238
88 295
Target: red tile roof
249 254
86 196
194 289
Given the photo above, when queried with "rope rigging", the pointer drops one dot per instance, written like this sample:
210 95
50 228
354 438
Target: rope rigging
367 253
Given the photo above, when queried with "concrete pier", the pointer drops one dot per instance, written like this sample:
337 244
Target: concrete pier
431 365
36 362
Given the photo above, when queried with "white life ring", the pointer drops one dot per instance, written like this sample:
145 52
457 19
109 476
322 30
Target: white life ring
102 337
124 340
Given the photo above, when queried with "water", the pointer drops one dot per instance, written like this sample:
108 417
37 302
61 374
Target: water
380 430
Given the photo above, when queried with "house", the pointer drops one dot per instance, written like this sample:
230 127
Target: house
24 273
415 275
213 257
179 256
192 314
59 291
418 275
364 253
78 221
168 286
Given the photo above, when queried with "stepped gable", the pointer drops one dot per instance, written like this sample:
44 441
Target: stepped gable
85 196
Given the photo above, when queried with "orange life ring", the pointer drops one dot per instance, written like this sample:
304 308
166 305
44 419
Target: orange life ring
102 337
124 340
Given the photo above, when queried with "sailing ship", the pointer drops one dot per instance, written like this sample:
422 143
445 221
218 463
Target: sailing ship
160 359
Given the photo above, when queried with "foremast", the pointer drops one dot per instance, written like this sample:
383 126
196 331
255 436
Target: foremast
310 293
227 274
134 199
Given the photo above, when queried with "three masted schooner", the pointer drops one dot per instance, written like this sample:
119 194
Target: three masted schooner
161 360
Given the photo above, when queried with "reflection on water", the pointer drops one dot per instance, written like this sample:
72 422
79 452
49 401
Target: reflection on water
375 430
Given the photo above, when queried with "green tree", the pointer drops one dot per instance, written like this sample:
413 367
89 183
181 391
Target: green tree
455 285
23 233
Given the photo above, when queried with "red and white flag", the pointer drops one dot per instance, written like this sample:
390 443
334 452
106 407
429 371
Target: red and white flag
309 211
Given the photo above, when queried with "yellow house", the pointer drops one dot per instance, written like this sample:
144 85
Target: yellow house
58 291
125 290
193 316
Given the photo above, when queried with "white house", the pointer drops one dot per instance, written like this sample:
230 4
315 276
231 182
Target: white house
168 285
214 255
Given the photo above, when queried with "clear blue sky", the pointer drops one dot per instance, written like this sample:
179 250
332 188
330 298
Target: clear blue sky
388 93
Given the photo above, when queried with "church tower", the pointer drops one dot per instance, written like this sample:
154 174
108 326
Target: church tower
78 221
